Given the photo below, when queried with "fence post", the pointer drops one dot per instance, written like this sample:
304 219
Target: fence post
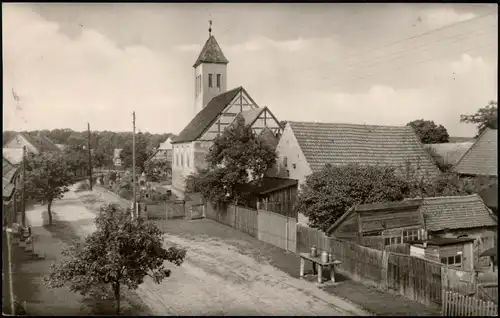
286 233
234 219
385 269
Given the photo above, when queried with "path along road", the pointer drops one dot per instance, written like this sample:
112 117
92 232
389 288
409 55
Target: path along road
215 278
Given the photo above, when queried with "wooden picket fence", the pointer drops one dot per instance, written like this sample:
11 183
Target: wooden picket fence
455 304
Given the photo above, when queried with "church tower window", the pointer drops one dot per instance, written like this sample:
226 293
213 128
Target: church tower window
218 80
210 84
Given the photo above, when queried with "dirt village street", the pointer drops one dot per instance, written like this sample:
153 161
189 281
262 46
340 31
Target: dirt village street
215 278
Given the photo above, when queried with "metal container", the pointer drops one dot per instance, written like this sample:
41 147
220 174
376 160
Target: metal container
330 257
324 257
314 251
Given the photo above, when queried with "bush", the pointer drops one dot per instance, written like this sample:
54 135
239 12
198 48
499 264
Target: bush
83 186
126 194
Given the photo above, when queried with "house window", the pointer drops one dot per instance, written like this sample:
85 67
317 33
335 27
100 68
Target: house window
392 240
452 260
287 173
285 161
218 80
410 235
187 160
294 166
210 84
182 160
177 160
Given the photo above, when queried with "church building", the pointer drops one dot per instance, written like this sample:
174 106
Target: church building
215 108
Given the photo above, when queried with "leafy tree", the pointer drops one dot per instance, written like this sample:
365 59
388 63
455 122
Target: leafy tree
485 117
429 132
237 158
48 176
158 170
141 152
327 194
121 252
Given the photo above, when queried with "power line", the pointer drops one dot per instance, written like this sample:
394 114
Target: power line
415 49
417 63
449 26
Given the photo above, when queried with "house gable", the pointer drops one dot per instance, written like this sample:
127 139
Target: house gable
291 162
20 140
241 102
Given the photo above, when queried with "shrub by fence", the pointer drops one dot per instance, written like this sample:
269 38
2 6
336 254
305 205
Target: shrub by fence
455 304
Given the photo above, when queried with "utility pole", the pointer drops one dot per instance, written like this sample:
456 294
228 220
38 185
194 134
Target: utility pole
90 157
23 197
134 209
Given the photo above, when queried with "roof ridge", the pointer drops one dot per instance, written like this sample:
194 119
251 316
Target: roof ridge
350 124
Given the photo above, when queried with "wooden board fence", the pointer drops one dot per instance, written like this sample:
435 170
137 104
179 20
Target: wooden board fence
455 304
276 229
175 209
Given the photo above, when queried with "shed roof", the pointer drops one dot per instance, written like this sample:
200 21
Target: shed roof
456 212
206 116
481 158
342 144
271 184
439 213
450 153
8 173
211 53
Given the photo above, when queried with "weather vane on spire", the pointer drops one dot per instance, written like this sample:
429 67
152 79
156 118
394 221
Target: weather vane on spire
210 27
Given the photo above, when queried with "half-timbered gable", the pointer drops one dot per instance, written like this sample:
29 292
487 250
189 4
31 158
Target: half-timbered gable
241 103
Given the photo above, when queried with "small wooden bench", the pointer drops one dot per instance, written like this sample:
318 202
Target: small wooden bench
318 264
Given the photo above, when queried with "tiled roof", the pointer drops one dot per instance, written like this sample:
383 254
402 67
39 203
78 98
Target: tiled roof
40 142
8 173
341 144
450 153
211 53
206 116
481 158
458 212
13 155
490 196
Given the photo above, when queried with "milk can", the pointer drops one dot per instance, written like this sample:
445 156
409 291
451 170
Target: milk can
330 258
314 251
324 257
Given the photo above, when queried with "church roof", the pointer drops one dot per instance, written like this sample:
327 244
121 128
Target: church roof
211 53
206 116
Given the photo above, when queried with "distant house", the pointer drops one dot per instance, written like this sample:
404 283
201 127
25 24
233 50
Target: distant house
419 219
481 161
117 161
449 153
34 144
306 147
163 153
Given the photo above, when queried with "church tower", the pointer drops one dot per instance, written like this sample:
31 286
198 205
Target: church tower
210 73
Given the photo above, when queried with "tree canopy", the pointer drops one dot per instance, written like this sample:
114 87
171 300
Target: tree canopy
237 158
485 117
142 152
47 177
429 132
120 253
327 194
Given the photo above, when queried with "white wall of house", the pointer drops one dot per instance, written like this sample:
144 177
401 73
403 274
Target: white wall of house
204 93
187 159
291 162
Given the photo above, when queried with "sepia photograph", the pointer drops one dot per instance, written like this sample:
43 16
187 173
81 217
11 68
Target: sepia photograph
250 159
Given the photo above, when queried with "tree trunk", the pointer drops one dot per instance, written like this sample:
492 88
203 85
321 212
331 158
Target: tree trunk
116 287
49 211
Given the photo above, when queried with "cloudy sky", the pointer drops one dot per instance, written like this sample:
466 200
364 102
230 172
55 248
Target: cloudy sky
357 63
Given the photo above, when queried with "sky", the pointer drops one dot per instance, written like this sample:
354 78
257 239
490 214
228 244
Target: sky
385 64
